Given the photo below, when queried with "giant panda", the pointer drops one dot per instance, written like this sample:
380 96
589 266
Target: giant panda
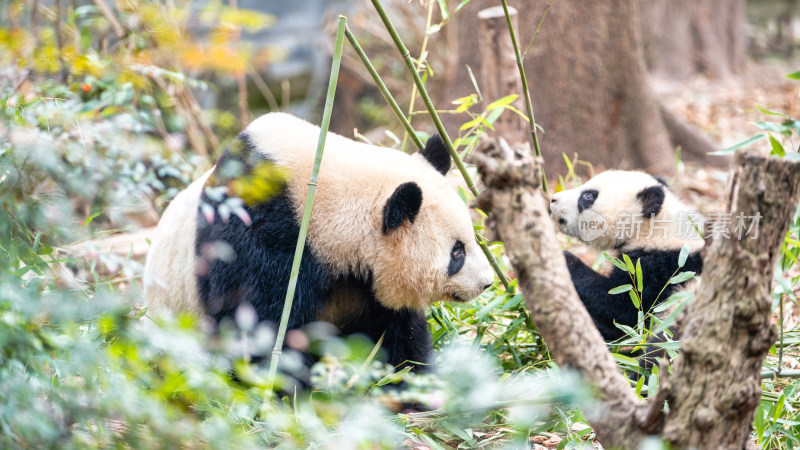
388 237
632 213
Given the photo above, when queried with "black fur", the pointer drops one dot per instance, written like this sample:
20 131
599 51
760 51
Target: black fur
605 308
258 273
437 154
407 338
402 205
587 199
652 198
457 258
662 181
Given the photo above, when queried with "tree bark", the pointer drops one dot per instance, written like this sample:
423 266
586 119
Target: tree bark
714 388
588 81
684 38
716 380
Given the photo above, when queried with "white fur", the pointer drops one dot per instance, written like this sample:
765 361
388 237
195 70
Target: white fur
616 201
170 283
409 264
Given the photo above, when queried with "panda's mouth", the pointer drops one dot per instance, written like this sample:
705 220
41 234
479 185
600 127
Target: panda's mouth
457 298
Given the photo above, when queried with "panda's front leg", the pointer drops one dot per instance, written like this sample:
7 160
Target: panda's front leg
407 339
604 308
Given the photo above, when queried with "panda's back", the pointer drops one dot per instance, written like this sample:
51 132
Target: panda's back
170 283
354 181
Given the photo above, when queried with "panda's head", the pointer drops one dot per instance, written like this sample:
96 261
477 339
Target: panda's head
427 251
626 210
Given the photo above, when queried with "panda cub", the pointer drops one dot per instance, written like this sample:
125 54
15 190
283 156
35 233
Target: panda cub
632 213
388 237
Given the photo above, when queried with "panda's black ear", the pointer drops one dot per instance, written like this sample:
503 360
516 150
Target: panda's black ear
403 205
652 198
436 153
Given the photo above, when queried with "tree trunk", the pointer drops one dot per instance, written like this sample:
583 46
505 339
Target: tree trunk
716 380
684 38
588 83
714 388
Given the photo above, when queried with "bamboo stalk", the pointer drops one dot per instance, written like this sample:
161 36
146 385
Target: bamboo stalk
406 55
525 91
312 188
384 90
780 374
418 67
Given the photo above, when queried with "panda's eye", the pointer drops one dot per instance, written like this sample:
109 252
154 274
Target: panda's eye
586 200
457 256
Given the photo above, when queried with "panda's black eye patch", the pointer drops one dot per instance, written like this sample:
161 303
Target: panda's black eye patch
586 200
457 256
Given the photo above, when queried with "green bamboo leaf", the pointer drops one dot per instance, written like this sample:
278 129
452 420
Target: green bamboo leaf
794 75
494 115
681 277
639 385
474 82
781 128
502 102
733 148
513 303
462 4
621 289
683 255
444 10
570 169
434 29
489 307
777 148
771 113
639 275
634 299
672 300
619 264
631 270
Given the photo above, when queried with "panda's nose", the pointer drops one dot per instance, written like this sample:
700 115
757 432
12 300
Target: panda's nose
487 286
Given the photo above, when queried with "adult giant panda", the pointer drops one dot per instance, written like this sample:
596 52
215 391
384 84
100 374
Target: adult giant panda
632 213
388 236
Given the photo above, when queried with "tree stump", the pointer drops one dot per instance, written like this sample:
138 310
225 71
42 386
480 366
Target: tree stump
499 75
